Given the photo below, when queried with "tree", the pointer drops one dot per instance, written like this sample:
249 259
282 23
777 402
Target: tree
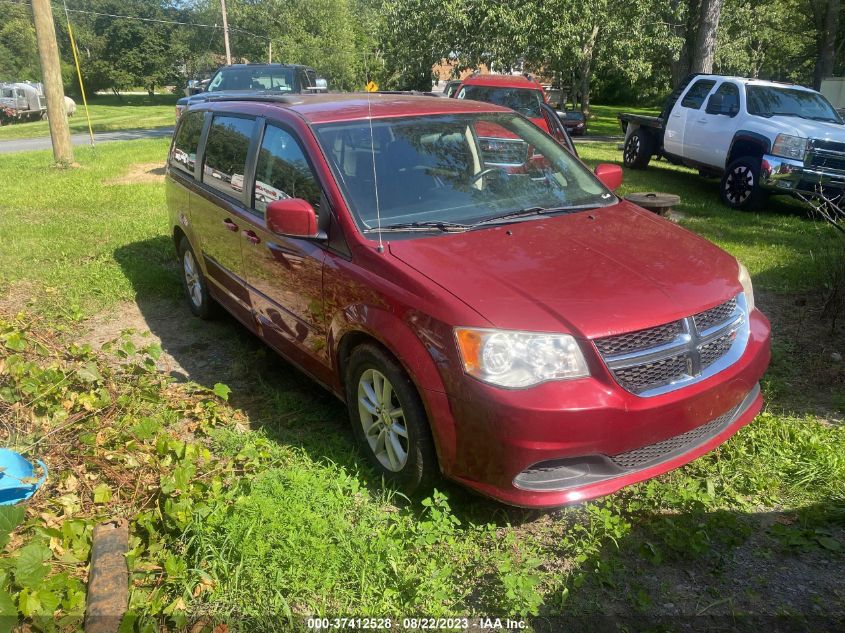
705 40
18 51
826 14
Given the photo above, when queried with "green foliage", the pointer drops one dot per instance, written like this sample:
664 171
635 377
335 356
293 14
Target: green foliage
18 51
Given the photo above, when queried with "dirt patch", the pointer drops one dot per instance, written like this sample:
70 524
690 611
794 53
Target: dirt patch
807 373
140 174
206 352
17 296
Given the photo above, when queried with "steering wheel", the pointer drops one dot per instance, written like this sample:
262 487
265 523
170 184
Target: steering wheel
485 172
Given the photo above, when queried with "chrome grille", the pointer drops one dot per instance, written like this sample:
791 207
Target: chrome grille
650 375
827 162
659 451
715 349
721 313
641 339
669 356
826 155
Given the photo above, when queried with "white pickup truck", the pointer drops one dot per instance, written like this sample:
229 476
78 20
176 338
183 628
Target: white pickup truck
761 137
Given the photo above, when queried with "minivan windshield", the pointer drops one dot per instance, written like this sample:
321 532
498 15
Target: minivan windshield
771 101
523 100
453 172
279 79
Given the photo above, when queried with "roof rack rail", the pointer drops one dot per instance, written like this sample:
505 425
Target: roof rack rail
265 97
418 93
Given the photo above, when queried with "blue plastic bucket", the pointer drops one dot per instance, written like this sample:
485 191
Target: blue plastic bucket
17 477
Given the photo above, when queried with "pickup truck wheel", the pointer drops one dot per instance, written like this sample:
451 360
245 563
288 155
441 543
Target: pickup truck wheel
389 420
740 185
638 149
193 280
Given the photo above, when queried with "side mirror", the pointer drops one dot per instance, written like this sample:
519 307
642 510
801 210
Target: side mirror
610 175
293 217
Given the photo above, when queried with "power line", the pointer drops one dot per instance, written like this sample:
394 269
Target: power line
140 19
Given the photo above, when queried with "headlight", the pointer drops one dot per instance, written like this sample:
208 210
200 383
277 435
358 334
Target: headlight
507 358
747 289
790 146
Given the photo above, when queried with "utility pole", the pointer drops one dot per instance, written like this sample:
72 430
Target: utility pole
226 33
51 75
270 52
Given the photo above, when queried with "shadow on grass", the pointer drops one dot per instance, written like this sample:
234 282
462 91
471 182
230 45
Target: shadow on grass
288 405
700 570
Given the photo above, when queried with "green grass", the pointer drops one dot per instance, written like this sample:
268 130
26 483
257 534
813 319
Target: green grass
108 113
603 121
300 524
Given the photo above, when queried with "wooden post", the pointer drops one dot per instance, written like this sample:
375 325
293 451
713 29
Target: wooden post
226 32
51 76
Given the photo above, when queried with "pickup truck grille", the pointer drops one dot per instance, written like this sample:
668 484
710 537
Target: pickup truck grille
826 155
672 355
827 162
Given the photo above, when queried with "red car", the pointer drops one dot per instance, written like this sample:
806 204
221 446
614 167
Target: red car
522 331
520 93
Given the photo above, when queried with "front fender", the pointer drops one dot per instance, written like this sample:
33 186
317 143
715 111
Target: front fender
419 343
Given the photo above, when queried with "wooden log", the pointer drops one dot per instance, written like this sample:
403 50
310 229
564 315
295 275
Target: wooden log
108 579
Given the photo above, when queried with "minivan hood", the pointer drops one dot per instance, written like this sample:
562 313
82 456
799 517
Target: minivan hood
593 273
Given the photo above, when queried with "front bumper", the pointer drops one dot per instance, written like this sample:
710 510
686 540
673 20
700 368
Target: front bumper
787 175
565 442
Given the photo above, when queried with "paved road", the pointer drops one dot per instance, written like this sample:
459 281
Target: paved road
29 144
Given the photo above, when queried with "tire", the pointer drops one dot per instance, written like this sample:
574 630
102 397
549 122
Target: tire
416 472
194 283
740 185
638 149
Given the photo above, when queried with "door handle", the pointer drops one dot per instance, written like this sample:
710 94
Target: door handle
251 236
230 225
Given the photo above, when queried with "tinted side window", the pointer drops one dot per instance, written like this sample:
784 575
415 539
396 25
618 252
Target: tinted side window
696 95
730 97
183 156
282 171
225 154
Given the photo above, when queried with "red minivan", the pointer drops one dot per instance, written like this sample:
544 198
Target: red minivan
522 331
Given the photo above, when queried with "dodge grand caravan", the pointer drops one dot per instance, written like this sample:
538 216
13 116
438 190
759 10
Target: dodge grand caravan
518 329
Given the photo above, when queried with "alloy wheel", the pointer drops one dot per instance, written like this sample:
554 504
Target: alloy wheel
739 184
192 278
632 149
383 420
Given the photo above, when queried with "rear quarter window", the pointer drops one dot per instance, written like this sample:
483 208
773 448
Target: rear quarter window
183 156
696 95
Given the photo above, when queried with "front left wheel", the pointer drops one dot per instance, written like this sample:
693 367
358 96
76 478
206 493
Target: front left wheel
740 185
389 420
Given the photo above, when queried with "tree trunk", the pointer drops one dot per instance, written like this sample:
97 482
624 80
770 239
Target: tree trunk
705 40
679 68
586 68
827 43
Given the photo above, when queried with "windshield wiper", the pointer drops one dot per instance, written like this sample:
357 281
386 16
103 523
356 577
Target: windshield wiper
527 212
446 227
